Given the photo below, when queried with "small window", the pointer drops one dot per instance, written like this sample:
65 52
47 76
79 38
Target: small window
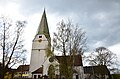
40 36
35 76
38 76
77 77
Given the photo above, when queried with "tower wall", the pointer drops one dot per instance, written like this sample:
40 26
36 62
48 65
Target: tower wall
38 54
40 43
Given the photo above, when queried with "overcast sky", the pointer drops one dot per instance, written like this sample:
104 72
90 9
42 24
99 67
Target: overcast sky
99 18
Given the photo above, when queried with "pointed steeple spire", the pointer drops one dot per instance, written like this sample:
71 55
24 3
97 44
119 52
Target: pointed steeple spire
43 26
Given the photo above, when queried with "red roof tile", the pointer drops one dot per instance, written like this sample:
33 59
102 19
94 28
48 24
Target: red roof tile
23 68
77 59
39 70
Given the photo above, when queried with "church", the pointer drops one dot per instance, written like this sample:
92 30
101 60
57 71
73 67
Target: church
50 67
40 63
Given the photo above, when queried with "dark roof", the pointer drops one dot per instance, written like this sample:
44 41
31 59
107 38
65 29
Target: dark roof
39 70
77 59
0 65
11 70
102 69
23 68
116 76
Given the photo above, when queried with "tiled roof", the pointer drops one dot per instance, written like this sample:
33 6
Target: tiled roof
39 70
8 69
96 69
77 59
23 68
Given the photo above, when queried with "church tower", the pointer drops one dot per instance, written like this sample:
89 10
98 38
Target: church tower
39 60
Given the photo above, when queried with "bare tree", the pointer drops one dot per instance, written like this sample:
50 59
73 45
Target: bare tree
103 56
77 40
70 40
60 40
11 43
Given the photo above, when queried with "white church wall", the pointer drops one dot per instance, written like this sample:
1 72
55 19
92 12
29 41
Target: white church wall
39 46
56 65
40 42
37 59
38 54
80 71
47 64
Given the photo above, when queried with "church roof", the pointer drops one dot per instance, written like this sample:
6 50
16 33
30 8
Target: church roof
43 26
23 68
77 60
102 69
39 70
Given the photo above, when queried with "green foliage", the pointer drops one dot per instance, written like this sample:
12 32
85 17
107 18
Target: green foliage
66 68
51 71
115 76
49 52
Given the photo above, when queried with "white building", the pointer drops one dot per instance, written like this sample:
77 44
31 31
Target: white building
39 62
42 40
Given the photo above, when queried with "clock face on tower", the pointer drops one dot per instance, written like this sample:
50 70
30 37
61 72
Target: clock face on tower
39 40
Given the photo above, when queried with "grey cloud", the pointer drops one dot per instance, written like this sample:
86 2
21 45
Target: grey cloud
105 29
